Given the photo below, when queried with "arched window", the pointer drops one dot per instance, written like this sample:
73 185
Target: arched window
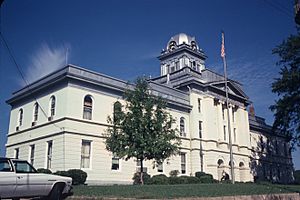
52 106
172 45
182 126
241 165
35 112
220 162
117 111
20 117
87 107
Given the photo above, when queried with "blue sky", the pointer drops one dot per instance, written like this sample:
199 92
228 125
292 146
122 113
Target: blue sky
123 39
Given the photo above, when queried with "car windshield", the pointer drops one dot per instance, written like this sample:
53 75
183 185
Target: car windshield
23 167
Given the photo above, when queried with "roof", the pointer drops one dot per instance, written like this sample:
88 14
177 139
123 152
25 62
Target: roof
72 72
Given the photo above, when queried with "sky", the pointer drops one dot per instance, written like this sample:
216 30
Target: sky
123 39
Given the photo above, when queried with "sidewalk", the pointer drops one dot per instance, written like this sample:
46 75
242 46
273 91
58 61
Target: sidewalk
287 196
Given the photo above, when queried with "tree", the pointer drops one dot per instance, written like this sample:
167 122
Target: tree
143 130
287 108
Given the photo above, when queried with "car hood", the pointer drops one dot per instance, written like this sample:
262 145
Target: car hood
57 178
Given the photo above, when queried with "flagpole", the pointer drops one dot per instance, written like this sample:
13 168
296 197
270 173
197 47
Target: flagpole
223 55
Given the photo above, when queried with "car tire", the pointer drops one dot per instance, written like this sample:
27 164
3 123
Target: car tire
56 193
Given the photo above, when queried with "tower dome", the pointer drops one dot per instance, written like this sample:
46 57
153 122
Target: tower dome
182 51
181 39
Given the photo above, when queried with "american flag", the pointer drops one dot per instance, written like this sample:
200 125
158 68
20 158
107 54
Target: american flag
223 46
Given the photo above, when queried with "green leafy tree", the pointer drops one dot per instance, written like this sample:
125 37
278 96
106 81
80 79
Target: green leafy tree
287 108
143 130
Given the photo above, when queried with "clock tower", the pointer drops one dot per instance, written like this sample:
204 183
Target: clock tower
181 51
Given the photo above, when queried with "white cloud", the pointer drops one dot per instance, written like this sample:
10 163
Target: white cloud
44 61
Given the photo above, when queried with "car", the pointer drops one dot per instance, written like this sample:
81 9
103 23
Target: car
19 179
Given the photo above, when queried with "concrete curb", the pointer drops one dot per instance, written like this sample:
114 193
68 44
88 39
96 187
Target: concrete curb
286 196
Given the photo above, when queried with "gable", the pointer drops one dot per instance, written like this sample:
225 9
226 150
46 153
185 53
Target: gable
233 88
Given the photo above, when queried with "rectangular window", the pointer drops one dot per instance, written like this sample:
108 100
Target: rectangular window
172 69
115 163
32 148
233 113
183 162
234 134
276 147
224 130
199 105
87 110
160 167
17 153
223 112
49 154
200 129
177 65
85 153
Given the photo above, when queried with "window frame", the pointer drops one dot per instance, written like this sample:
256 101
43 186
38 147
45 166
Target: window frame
35 112
115 158
199 105
49 154
182 127
200 129
32 154
16 153
88 107
223 111
234 135
183 162
52 106
88 156
20 117
224 133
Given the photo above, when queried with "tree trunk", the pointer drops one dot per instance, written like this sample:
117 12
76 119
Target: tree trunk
141 175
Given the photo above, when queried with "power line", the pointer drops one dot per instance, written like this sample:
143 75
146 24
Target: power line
279 8
283 6
24 79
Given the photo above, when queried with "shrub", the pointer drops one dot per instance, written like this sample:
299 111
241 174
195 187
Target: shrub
199 174
207 179
192 180
176 180
62 173
297 176
78 176
137 178
174 173
160 179
44 171
226 181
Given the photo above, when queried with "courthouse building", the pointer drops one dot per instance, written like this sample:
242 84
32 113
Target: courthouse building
59 122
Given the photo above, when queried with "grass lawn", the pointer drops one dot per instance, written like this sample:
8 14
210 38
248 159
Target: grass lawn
188 190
